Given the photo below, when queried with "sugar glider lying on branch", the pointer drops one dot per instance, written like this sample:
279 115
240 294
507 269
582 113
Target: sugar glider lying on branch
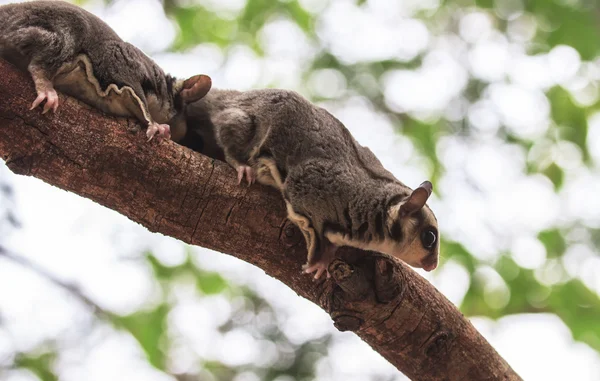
336 191
67 48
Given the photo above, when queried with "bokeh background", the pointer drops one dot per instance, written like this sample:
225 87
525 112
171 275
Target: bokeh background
495 101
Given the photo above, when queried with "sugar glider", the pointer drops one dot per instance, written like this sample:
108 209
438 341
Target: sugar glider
66 48
335 190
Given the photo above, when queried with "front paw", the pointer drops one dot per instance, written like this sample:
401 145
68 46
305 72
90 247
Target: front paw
318 268
51 98
158 130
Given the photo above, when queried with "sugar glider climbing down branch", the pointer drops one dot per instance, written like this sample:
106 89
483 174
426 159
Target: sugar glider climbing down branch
67 48
336 190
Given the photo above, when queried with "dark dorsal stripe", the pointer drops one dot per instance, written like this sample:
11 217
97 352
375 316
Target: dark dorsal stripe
362 229
396 230
380 223
347 218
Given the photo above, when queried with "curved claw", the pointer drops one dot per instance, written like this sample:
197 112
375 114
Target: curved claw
244 170
158 130
319 268
51 98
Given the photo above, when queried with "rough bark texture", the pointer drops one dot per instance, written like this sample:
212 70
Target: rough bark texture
183 194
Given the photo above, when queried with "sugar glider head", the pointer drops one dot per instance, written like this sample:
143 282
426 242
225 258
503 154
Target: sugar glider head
171 108
411 231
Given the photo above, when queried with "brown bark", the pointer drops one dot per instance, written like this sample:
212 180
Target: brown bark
183 194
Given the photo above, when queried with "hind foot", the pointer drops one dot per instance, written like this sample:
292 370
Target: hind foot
248 171
158 130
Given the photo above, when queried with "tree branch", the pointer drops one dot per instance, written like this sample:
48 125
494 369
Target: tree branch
169 189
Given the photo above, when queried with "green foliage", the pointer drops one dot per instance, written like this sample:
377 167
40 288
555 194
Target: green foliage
561 23
41 364
148 328
571 120
498 286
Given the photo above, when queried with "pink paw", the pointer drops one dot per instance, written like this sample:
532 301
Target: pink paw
159 130
248 171
319 267
51 98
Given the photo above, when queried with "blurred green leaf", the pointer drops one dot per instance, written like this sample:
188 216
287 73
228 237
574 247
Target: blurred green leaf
555 174
571 119
554 242
197 25
210 282
148 328
41 364
572 25
457 252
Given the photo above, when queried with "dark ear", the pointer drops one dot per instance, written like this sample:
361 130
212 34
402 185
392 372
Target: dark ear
417 199
195 88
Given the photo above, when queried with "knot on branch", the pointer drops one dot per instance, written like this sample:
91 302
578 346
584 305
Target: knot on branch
358 284
439 344
291 235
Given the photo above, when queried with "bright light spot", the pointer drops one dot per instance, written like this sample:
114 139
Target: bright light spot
475 26
246 376
486 160
551 273
495 291
523 28
586 95
593 137
508 9
7 348
356 35
465 214
581 198
549 339
204 58
314 6
489 59
327 83
373 130
19 375
392 10
282 38
575 257
358 361
482 115
153 36
525 112
169 251
428 89
568 155
452 280
532 72
589 273
238 347
242 69
223 8
306 324
564 63
528 252
528 205
457 110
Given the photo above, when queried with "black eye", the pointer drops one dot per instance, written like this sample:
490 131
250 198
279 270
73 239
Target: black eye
428 238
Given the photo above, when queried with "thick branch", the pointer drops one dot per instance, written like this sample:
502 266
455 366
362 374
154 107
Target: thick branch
183 194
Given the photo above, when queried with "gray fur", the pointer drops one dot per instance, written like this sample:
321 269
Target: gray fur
337 184
50 35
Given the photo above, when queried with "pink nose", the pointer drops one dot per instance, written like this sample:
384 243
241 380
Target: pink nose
429 263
